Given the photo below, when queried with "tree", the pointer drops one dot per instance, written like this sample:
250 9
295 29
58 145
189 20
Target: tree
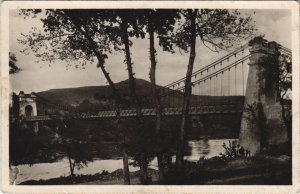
285 89
27 146
128 19
21 144
191 30
217 29
73 143
160 22
77 37
13 67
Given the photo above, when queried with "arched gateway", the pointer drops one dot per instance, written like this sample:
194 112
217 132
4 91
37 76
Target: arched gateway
27 103
27 107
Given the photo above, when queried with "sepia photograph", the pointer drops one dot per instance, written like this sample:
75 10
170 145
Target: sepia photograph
150 95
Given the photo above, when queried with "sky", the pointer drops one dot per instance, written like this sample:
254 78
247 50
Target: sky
35 77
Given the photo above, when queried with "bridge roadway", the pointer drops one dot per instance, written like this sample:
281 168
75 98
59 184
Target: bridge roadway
201 110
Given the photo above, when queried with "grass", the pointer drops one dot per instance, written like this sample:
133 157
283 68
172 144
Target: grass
259 170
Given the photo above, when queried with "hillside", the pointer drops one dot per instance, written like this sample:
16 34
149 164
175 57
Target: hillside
94 94
101 95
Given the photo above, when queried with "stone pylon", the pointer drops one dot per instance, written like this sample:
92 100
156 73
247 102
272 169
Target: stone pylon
262 123
27 108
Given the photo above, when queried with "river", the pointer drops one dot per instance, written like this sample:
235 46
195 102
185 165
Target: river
199 148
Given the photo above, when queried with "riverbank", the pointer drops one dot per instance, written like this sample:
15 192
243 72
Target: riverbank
104 178
13 174
260 170
45 171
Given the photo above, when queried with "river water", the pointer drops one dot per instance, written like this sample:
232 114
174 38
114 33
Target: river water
199 148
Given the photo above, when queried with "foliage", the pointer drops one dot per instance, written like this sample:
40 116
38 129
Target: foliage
27 146
256 113
73 143
139 145
162 22
285 76
254 110
285 90
66 37
217 29
14 109
20 142
233 151
13 67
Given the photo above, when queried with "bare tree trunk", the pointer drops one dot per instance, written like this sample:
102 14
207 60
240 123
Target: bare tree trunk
125 167
156 100
71 167
126 174
114 94
144 169
131 78
187 92
132 88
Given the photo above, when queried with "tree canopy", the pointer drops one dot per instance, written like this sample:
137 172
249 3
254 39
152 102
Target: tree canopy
217 29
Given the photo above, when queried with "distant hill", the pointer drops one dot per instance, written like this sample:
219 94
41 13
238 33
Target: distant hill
94 94
99 96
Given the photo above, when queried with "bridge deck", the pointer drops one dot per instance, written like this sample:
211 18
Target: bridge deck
201 110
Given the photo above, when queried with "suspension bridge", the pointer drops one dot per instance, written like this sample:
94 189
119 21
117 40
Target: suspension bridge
245 82
211 87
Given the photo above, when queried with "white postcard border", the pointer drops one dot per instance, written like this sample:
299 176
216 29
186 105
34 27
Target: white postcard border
6 6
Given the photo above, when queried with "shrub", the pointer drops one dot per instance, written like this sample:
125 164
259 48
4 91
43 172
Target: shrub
234 151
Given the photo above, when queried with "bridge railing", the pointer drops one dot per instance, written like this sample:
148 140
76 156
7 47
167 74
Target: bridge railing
170 111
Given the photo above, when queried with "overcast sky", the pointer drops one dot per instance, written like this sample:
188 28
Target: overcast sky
274 24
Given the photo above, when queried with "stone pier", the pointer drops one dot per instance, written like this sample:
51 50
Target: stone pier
262 124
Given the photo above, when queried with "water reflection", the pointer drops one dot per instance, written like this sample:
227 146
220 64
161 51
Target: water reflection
205 148
198 149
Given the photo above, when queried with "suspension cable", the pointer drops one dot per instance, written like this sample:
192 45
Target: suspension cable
211 64
222 83
243 73
235 85
214 86
229 82
200 91
220 70
210 86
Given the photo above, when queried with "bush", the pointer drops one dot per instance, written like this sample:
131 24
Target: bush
234 151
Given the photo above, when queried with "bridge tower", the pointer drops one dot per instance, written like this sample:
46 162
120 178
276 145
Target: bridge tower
27 107
27 104
262 123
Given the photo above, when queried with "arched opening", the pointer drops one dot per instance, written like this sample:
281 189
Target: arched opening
28 110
